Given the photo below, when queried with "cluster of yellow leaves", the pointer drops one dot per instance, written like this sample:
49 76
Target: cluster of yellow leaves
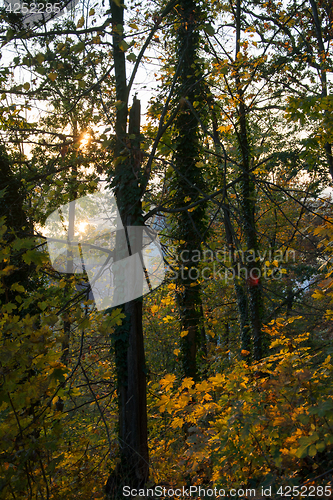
262 420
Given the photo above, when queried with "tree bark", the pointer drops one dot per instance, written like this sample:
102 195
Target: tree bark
323 77
133 466
190 225
247 196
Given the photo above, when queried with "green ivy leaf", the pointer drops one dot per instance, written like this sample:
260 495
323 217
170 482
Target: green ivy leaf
123 45
208 28
131 57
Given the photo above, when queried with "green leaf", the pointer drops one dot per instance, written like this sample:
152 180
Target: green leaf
17 287
106 143
208 28
302 452
33 256
51 319
131 57
79 47
10 34
312 451
40 58
8 308
119 104
123 45
41 70
321 446
325 407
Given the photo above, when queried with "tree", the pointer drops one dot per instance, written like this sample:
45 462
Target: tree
188 185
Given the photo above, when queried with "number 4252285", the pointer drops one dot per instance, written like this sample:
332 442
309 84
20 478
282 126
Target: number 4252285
33 8
305 491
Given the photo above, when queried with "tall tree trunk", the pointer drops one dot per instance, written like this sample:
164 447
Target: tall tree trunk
323 76
242 302
129 346
133 467
247 197
11 205
188 177
69 259
240 289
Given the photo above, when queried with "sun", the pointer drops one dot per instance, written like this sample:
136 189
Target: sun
84 141
81 227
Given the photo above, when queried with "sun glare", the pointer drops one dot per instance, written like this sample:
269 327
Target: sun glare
82 226
85 140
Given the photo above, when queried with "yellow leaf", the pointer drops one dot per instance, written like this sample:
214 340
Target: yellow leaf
202 386
217 379
187 383
176 352
154 309
318 230
52 76
80 22
184 333
168 380
223 128
167 319
177 422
